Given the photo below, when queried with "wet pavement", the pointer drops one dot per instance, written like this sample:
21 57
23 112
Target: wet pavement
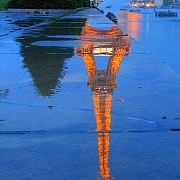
160 35
79 99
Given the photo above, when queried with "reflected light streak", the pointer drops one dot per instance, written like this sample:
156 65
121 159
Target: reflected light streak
133 24
130 20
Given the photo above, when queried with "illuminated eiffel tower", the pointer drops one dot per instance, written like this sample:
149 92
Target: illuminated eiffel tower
103 82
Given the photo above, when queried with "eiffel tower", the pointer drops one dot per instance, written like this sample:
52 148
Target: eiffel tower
114 44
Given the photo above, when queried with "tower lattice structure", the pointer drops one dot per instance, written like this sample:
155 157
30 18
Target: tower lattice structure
103 82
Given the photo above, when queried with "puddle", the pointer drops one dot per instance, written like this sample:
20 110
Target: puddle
46 71
47 65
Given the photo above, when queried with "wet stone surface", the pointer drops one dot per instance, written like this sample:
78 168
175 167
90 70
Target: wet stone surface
78 100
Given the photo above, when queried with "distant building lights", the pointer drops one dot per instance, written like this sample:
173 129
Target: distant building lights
148 5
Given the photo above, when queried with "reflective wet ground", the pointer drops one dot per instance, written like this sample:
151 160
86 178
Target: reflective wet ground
79 99
160 35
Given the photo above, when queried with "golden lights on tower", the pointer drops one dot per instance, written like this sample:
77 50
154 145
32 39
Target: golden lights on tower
110 43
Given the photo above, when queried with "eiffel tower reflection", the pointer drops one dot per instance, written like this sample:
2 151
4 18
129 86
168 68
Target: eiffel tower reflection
110 43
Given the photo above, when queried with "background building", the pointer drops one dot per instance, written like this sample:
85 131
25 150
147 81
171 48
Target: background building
158 3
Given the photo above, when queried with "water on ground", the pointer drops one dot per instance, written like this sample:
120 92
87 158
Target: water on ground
160 35
81 100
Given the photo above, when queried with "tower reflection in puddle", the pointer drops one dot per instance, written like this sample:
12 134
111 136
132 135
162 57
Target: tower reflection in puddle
110 43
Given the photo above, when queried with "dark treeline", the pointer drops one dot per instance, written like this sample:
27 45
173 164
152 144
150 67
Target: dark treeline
48 4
